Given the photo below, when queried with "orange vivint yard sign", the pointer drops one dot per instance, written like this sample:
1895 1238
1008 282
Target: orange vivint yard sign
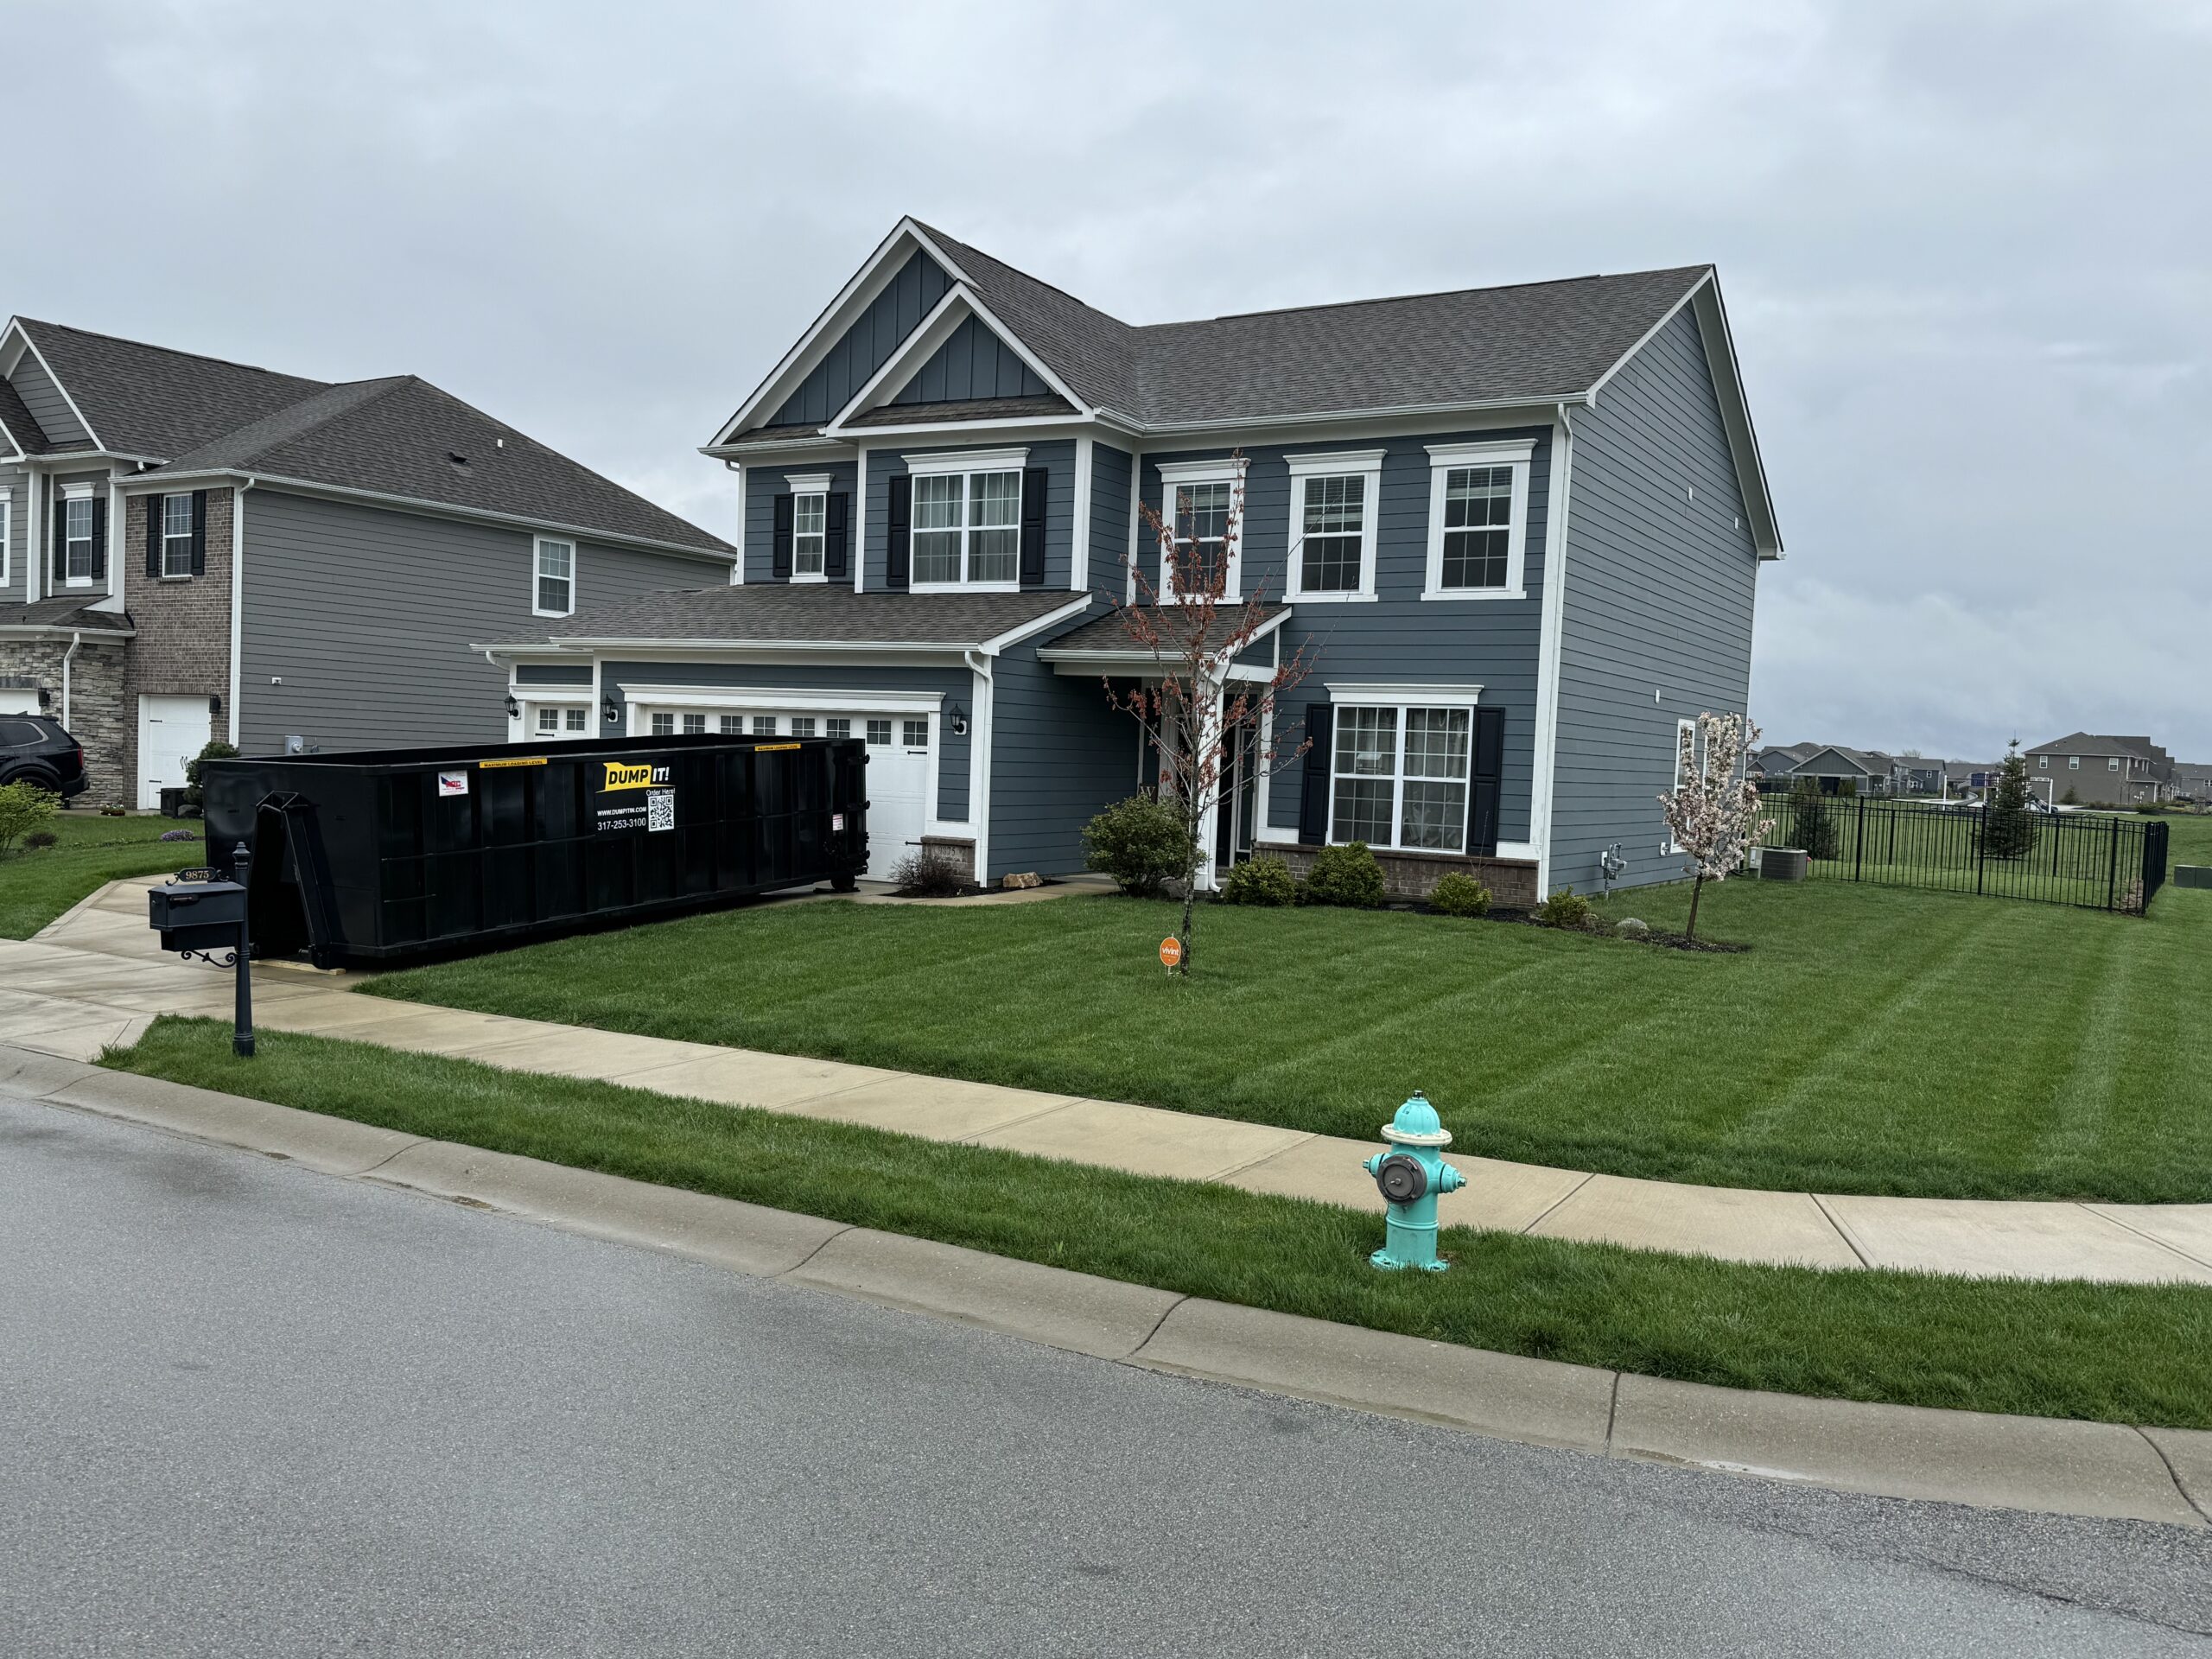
1171 951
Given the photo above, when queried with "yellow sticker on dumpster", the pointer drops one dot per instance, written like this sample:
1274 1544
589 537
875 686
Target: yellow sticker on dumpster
623 775
772 748
525 761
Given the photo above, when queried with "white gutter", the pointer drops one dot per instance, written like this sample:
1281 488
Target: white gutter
238 604
979 764
75 640
1544 767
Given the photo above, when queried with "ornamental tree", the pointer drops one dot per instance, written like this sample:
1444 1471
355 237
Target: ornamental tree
1198 716
1712 811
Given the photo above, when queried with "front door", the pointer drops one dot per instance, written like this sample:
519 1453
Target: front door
1233 825
171 731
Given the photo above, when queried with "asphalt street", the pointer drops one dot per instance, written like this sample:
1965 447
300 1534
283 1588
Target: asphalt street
247 1409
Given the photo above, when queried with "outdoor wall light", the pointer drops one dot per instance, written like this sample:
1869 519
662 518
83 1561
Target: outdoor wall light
958 716
514 708
614 711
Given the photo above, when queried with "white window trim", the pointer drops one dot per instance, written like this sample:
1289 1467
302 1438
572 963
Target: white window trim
969 462
1379 694
1516 453
75 492
783 700
1349 463
1224 470
537 545
809 484
532 705
1400 699
168 575
1672 848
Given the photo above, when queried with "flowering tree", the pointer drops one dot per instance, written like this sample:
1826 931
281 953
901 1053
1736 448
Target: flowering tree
1203 722
1712 811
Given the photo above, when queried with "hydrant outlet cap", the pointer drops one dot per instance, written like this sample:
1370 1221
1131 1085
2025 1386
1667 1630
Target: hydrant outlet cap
1417 1125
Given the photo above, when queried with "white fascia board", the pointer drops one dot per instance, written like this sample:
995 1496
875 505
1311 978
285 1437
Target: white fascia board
89 431
772 450
826 651
871 279
1015 635
1374 693
831 700
1036 427
166 483
1355 424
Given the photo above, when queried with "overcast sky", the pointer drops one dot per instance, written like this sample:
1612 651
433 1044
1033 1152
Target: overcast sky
1967 249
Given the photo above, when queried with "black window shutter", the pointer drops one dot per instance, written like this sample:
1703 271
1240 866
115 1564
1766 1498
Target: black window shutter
99 539
837 512
779 545
154 511
200 532
60 541
1313 801
898 529
1034 481
1483 781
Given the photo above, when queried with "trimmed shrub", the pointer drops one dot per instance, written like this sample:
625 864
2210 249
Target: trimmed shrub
1142 842
1262 881
1632 927
39 840
217 750
1347 876
929 874
25 809
1459 894
1566 908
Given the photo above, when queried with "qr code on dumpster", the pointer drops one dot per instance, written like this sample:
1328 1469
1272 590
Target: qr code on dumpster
660 809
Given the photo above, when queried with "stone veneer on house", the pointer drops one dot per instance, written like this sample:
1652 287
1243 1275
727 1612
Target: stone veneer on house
96 717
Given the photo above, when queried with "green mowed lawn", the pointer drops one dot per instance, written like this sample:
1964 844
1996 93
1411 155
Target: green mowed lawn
2122 1353
1872 1040
38 884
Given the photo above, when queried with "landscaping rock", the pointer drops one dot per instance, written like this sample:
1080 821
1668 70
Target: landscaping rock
1028 879
1631 927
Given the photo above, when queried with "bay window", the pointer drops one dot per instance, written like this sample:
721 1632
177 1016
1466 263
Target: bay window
1479 519
1199 500
1334 502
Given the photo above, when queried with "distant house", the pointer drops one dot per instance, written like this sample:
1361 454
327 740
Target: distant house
2194 779
2103 771
1917 774
1960 775
1831 767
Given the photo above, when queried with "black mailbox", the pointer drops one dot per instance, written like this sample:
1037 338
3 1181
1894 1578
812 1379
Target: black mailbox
197 915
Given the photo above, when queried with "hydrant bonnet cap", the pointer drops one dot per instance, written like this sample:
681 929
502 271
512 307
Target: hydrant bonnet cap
1417 1125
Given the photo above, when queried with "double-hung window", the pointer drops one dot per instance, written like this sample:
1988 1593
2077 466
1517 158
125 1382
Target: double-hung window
176 536
1479 519
553 720
1334 506
77 540
557 578
967 520
1399 775
809 536
1200 503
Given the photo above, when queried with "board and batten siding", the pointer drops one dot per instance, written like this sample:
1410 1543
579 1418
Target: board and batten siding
366 616
1060 754
1661 575
1057 457
1398 636
48 407
762 486
956 685
867 345
972 363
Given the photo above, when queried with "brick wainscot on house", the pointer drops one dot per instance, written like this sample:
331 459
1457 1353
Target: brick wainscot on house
192 549
1517 530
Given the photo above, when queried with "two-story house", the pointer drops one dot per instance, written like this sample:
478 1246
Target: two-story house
1517 530
2102 770
192 549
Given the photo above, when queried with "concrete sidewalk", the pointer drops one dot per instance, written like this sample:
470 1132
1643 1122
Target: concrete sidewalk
2080 1468
96 975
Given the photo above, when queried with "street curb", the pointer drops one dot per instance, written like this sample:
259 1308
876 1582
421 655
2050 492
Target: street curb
2048 1465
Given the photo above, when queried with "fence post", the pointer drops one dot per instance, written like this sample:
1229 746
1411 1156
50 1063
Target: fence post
1859 844
2112 869
1981 844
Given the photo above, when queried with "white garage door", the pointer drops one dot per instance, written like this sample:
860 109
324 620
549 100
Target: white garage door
900 756
171 731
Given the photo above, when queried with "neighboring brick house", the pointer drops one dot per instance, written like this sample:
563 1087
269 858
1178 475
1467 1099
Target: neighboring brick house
2103 771
1520 530
191 548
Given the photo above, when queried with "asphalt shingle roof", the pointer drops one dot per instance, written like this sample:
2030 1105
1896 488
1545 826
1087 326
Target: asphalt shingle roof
968 409
1109 633
23 433
67 611
813 614
149 400
1531 342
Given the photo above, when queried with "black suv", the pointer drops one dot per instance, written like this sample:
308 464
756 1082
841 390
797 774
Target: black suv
35 749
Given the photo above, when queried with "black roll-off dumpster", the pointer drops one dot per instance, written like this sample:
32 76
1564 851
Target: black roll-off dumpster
382 855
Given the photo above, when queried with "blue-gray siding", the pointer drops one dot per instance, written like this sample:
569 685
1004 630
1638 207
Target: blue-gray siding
762 486
957 684
1057 457
1060 755
972 363
366 617
1398 636
1661 573
1109 520
864 347
43 397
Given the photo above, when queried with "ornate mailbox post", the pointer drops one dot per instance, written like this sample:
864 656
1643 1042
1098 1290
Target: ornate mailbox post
197 915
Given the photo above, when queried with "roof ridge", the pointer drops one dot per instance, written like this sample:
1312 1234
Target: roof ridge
384 386
1027 276
1430 294
175 351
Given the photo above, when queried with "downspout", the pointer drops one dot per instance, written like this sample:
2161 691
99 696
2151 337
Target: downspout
979 761
75 640
1551 636
237 601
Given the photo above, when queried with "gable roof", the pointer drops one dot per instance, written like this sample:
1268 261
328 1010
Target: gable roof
2140 748
391 438
19 431
1522 345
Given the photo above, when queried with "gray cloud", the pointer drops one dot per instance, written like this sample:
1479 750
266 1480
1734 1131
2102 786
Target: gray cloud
1965 248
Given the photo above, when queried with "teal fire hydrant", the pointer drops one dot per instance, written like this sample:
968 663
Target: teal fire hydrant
1411 1176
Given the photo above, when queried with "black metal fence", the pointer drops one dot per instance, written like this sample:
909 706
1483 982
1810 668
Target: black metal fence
2099 860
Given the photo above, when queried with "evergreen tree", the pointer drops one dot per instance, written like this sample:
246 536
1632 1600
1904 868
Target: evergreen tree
2008 826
